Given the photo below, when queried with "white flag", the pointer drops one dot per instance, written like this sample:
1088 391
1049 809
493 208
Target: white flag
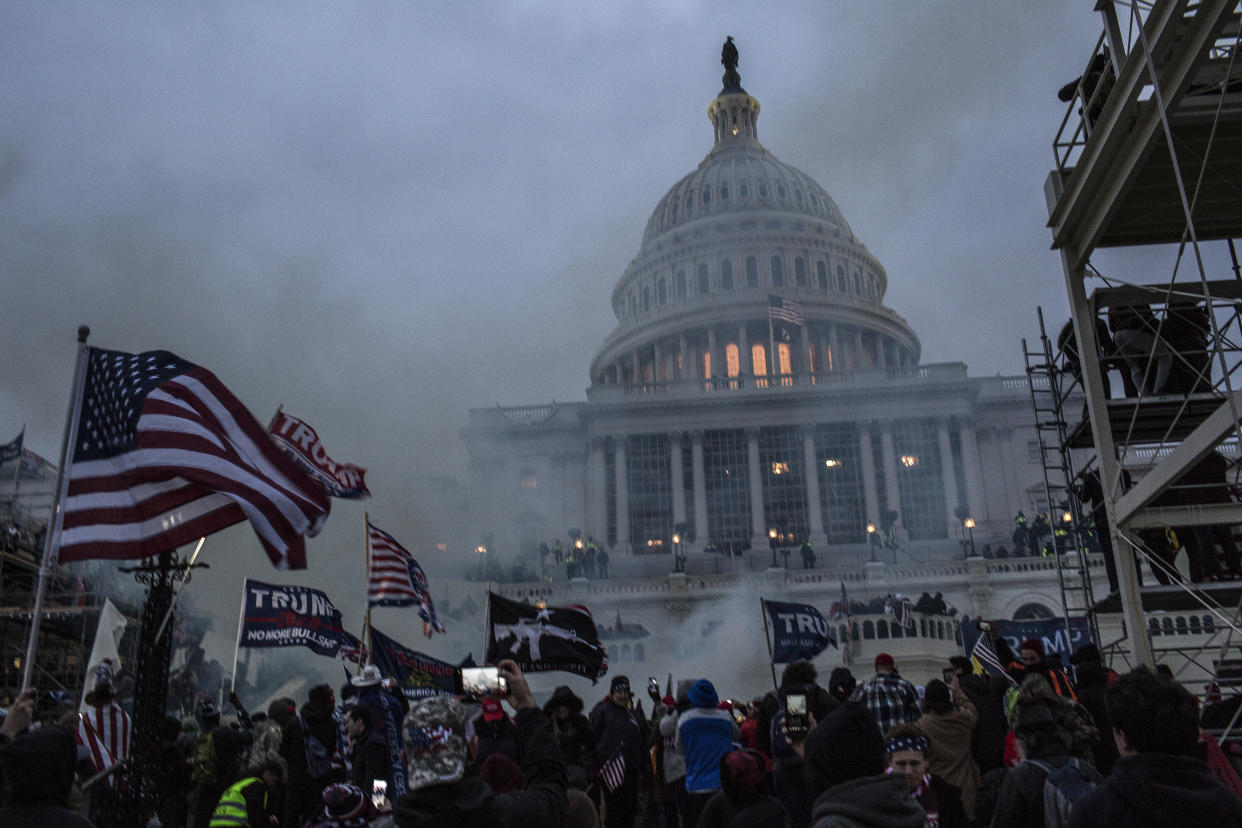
106 646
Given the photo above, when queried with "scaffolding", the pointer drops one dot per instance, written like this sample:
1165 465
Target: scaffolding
1150 153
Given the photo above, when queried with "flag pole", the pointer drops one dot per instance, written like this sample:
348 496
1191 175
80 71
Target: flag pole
487 623
366 620
772 360
177 595
767 637
17 470
241 614
51 545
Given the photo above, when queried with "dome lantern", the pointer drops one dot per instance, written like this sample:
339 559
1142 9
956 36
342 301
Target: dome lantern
733 113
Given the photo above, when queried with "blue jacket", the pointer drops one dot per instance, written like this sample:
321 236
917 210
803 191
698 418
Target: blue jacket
704 735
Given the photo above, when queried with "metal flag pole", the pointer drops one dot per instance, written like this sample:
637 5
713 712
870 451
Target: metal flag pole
17 469
241 615
767 637
366 620
177 595
51 545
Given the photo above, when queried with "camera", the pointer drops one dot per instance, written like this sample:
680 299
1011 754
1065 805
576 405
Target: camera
482 682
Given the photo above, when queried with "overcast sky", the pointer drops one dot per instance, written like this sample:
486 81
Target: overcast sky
382 214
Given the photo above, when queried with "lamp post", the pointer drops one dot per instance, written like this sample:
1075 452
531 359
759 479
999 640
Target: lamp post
969 523
871 540
677 552
772 544
481 551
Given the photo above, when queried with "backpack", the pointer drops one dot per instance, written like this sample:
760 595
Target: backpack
1063 787
318 759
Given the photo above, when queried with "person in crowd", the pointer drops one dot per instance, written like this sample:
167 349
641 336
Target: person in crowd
1188 330
808 555
310 740
891 699
348 806
705 733
1147 356
750 727
744 800
845 763
620 731
173 784
444 793
1034 661
496 732
1093 679
1077 729
368 749
987 694
103 731
1207 483
841 684
674 760
948 724
661 806
573 734
788 774
908 752
580 811
247 802
601 562
500 773
1042 750
208 775
38 769
270 732
1155 782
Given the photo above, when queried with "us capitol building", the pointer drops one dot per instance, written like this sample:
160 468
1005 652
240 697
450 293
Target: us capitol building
757 392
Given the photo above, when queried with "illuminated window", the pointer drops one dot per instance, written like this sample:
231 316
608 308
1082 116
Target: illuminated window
726 275
814 354
800 271
707 363
909 460
752 272
778 273
441 547
784 487
759 359
779 467
920 482
733 363
785 356
527 479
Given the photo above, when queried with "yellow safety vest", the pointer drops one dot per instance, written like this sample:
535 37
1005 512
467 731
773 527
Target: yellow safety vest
232 808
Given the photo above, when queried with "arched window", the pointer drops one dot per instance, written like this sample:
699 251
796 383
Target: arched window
868 630
858 282
800 271
724 192
881 629
923 627
679 284
840 279
1153 626
763 190
821 274
633 305
732 362
1181 625
1209 624
639 654
726 275
703 280
662 291
898 632
743 189
759 359
707 195
1032 612
1166 624
625 652
752 272
1195 626
778 274
646 298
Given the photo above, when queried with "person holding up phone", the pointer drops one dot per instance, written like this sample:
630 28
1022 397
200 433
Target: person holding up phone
441 744
948 722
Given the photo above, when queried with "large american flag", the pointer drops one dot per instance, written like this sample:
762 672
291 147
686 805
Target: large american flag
163 454
783 310
104 731
397 580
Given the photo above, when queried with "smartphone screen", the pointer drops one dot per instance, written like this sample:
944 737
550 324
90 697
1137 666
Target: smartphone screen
795 704
379 793
796 721
949 674
477 682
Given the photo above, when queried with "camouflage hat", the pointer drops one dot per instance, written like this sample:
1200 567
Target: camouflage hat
437 737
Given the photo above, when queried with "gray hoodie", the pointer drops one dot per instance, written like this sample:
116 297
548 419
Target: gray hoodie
868 802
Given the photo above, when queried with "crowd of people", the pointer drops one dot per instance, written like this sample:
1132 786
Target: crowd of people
1030 747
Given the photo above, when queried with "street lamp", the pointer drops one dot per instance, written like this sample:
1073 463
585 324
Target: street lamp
871 540
772 544
481 550
969 523
677 552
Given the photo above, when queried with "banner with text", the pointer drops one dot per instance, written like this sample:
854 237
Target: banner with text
417 675
278 615
1051 631
796 632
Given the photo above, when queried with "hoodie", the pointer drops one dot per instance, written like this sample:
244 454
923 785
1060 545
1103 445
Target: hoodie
38 769
868 802
1159 789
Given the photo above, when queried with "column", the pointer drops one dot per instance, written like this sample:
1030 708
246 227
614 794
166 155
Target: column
948 473
685 369
636 378
700 489
711 350
657 363
758 521
834 342
598 523
976 504
622 481
816 514
860 360
866 459
892 487
745 364
677 467
823 352
806 353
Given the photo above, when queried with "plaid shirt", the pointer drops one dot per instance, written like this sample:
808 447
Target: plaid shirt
891 699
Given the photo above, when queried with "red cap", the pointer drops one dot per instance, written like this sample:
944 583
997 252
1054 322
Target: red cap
492 711
669 701
884 660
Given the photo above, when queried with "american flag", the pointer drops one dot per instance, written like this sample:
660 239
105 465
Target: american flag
352 649
984 656
613 772
397 580
847 652
104 731
783 310
163 454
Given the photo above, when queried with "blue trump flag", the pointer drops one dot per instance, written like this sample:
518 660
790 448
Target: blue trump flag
284 615
1049 631
418 676
796 632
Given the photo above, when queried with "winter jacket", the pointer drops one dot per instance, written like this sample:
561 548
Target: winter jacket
620 730
38 768
765 811
370 760
1158 790
1020 803
987 694
949 736
674 759
470 801
1092 682
268 735
704 735
868 802
322 725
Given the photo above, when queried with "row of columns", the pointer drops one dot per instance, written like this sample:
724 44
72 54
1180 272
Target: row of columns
866 432
686 362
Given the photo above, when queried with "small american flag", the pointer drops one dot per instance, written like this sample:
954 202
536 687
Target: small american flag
783 310
397 580
847 653
613 772
984 656
352 649
164 454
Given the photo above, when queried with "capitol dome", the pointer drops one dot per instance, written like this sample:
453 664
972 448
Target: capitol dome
740 233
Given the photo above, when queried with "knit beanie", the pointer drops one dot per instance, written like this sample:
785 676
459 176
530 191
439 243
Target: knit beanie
845 745
703 694
937 694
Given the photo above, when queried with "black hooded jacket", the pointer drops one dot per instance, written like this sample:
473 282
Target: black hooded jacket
1159 790
1092 682
38 773
322 726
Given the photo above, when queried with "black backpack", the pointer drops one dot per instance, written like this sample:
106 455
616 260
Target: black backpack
318 758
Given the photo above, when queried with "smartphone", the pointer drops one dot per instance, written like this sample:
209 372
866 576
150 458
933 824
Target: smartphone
478 682
379 793
949 674
797 723
653 686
